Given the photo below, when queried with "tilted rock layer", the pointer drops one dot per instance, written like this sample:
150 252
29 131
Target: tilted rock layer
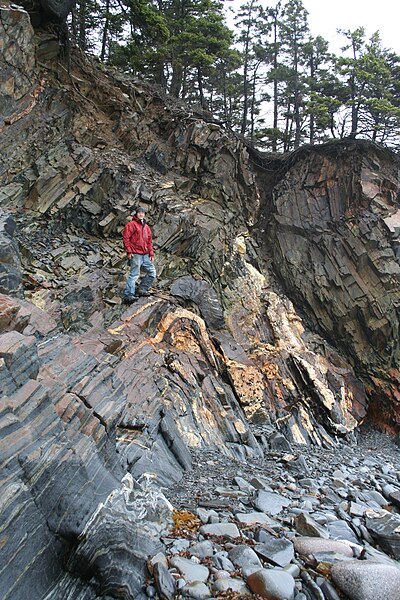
94 395
335 236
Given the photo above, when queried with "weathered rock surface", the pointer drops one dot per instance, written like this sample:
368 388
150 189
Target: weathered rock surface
10 265
367 580
335 240
204 296
305 563
199 185
101 406
272 584
385 528
277 552
312 545
18 75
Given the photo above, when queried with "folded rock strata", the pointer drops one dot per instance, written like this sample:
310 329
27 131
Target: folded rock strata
91 393
335 236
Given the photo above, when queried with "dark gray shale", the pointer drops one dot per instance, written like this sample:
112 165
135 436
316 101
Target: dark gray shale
217 358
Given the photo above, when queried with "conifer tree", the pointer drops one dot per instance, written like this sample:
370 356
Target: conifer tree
294 35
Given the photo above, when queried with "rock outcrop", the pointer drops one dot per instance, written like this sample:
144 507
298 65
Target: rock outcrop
335 231
10 264
18 75
101 405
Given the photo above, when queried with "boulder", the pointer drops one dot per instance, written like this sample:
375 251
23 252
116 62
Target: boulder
385 529
270 502
310 545
366 580
190 570
228 530
277 551
272 584
202 294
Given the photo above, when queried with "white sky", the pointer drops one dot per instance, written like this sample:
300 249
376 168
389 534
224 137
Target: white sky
325 16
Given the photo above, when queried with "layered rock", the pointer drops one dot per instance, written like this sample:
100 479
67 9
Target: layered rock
10 264
199 186
18 76
95 397
334 235
63 500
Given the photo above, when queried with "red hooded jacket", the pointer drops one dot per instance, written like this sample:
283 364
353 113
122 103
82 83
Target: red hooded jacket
137 237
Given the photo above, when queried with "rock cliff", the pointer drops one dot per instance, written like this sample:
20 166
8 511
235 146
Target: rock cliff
276 304
335 227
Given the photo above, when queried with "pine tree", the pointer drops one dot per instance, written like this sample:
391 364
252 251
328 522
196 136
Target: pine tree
276 73
294 34
349 68
247 19
326 93
225 88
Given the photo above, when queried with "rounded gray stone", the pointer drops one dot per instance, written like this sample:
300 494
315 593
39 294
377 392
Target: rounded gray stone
190 570
310 545
367 580
236 585
221 561
273 584
202 549
197 590
277 551
220 529
270 502
243 556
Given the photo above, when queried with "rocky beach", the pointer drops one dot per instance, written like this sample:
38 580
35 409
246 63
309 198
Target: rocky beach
288 525
233 434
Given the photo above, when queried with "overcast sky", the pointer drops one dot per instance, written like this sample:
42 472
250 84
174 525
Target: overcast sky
325 16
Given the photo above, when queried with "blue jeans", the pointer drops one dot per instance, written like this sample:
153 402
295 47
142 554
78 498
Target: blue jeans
137 261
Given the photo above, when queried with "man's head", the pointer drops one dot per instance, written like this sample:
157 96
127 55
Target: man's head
140 212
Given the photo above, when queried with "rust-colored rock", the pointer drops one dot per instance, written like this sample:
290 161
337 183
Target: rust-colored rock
94 395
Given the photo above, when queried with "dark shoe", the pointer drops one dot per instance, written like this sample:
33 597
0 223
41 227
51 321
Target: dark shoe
144 293
130 300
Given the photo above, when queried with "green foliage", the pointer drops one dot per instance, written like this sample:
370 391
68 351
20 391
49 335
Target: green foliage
272 81
370 75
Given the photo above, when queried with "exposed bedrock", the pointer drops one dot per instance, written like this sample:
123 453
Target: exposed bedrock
81 411
10 264
100 405
335 235
17 63
66 497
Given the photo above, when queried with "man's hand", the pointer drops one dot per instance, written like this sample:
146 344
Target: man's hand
152 258
129 256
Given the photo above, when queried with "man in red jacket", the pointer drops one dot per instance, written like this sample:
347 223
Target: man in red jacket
138 244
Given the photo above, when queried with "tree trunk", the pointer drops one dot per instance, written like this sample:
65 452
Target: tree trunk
245 88
184 83
159 74
296 111
82 38
73 26
312 118
287 140
275 100
354 109
176 80
253 102
105 31
203 102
